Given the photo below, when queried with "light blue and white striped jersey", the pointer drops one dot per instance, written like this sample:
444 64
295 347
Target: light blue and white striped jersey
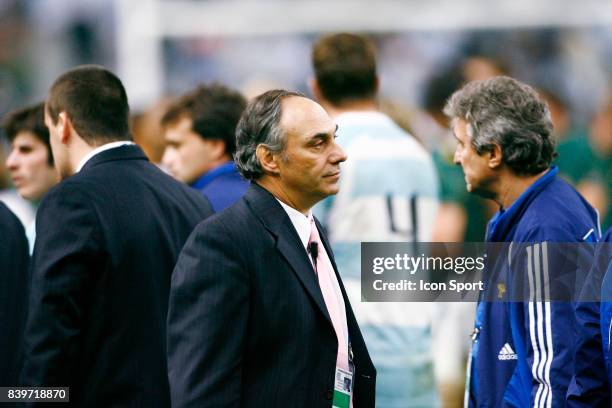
388 192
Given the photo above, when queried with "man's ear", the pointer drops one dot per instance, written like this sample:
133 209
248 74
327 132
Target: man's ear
495 157
314 89
64 127
267 160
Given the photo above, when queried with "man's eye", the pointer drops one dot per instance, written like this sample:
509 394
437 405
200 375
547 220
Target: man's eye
318 142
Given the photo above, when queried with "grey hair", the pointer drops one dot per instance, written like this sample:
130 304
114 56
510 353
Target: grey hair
260 125
505 112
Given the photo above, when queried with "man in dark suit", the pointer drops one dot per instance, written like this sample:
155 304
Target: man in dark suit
108 238
13 294
258 315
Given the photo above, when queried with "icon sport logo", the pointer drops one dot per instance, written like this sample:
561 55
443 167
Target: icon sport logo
506 353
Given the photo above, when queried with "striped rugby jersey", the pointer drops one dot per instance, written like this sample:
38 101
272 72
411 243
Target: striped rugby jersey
388 192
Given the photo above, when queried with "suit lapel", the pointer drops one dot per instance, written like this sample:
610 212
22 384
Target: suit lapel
288 243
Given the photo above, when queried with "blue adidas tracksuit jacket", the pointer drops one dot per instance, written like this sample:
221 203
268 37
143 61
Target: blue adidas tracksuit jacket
606 305
536 353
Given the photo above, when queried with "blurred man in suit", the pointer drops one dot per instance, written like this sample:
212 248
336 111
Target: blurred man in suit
258 314
108 238
200 133
13 294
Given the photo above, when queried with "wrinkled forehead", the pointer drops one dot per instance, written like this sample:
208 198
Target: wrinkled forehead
304 117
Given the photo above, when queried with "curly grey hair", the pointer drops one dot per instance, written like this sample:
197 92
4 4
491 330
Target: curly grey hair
505 112
260 125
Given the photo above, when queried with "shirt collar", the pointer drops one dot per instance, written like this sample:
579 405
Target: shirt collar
301 222
101 149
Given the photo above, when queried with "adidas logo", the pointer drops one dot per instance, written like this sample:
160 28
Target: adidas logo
506 353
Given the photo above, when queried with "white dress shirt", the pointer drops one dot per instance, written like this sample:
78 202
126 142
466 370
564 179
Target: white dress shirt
303 225
101 149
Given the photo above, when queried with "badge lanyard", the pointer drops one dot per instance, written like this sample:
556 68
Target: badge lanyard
343 383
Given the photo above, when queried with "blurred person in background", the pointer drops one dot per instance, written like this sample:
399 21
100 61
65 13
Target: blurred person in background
21 207
402 114
14 280
477 67
199 129
461 217
108 237
505 147
587 162
30 161
564 128
16 87
388 192
147 130
16 68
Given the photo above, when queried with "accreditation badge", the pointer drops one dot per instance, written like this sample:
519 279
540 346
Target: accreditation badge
343 387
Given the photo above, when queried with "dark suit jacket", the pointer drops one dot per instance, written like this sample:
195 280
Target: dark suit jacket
14 259
247 323
107 241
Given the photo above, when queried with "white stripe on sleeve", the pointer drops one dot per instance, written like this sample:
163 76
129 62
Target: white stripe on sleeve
549 344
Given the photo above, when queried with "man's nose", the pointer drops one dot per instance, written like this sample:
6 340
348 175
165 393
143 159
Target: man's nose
12 161
166 158
457 157
338 155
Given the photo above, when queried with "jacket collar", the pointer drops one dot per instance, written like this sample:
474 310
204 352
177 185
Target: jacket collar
275 219
504 221
126 152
